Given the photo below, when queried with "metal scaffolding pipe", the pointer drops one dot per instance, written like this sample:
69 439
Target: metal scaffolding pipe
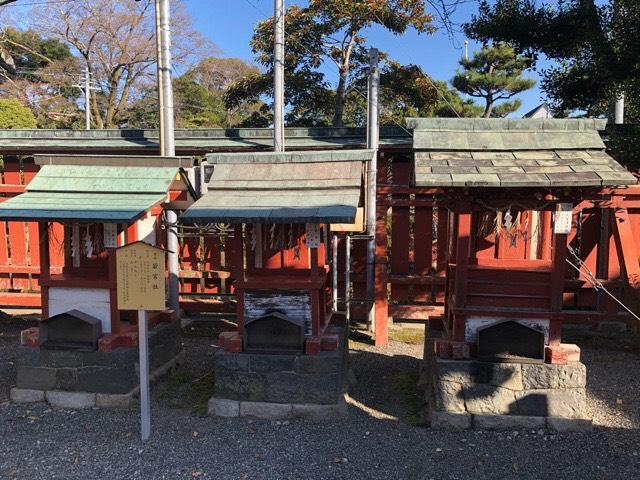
278 76
373 136
167 139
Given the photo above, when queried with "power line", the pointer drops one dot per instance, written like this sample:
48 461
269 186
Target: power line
12 3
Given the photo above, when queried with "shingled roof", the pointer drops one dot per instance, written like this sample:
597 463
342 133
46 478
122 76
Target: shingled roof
513 153
293 187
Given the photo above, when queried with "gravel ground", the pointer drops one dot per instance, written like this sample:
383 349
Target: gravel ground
376 440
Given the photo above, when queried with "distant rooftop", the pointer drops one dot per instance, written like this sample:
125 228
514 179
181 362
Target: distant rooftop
192 141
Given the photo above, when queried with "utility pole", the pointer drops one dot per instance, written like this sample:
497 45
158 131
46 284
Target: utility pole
86 87
278 76
373 136
167 139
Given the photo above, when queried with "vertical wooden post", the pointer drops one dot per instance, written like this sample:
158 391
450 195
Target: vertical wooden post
316 321
45 264
381 299
116 327
462 266
547 234
557 286
236 246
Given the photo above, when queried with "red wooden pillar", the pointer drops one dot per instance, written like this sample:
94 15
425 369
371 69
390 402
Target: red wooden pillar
45 263
547 234
237 260
381 279
557 286
316 321
116 326
462 266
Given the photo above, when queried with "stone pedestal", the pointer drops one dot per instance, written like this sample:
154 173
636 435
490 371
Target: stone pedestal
280 386
465 394
77 379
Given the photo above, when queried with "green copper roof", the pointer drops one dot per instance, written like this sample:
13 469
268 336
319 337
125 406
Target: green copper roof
479 152
312 187
90 193
79 207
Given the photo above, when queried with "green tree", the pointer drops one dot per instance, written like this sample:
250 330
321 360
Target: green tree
494 74
14 115
325 31
595 46
198 97
39 72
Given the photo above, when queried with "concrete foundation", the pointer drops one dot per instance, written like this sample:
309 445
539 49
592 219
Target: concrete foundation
74 379
281 386
465 394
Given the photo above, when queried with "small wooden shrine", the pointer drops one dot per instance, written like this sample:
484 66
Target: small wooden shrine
513 190
280 207
102 203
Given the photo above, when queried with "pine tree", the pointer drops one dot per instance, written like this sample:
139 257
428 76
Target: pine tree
494 74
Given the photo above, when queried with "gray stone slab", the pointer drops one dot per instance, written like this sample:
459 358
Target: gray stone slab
447 421
617 178
265 410
536 155
115 401
591 168
500 170
574 179
552 403
547 376
505 375
223 407
433 180
451 170
483 398
24 395
539 169
460 371
507 422
449 397
573 425
476 180
36 378
505 156
72 400
522 180
499 162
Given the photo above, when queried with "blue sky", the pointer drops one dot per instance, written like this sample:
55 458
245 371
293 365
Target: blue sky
230 23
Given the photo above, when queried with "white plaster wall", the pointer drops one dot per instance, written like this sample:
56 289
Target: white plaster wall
473 324
147 230
92 301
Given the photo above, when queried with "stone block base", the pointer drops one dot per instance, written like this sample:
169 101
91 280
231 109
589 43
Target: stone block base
113 373
286 379
223 407
80 400
464 394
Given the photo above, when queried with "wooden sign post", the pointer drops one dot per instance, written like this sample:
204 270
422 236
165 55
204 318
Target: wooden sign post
141 286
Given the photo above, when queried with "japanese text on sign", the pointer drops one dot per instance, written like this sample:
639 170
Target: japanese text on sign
140 272
564 218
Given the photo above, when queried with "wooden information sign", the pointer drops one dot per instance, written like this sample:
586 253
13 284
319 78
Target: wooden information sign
141 286
140 271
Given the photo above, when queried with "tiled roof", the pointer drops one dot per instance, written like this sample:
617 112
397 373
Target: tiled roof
519 168
513 153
